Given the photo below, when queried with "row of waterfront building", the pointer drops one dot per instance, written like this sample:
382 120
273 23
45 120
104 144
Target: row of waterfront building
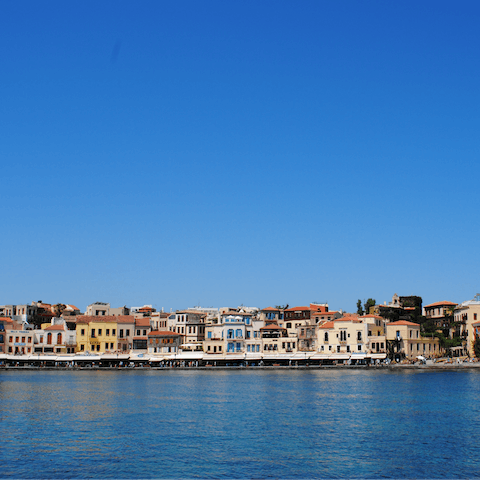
313 333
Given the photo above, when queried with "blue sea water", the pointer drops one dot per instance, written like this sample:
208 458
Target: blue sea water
239 424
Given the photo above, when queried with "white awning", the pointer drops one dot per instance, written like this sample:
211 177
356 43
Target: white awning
358 356
189 356
157 359
114 356
86 358
339 356
140 358
320 356
253 356
212 357
18 358
380 356
232 356
64 359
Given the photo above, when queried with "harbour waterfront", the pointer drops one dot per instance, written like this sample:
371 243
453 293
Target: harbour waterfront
240 424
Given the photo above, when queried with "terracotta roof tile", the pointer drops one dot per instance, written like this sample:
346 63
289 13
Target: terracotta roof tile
55 327
272 327
106 319
439 304
403 322
143 322
327 325
164 333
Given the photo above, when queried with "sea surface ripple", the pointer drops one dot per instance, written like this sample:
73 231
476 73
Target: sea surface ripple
239 424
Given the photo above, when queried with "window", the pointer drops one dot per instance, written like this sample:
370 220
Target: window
238 333
93 332
359 348
99 331
107 332
248 333
59 338
359 336
127 332
121 333
289 325
474 316
209 335
111 346
49 339
338 348
325 337
113 332
348 348
82 348
239 346
258 348
230 347
138 333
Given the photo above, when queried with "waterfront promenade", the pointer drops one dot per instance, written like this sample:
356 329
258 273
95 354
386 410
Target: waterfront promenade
442 364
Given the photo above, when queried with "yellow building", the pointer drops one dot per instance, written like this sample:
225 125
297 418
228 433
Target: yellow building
465 315
105 334
406 341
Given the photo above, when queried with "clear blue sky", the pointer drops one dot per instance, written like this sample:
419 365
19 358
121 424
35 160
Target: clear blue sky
239 152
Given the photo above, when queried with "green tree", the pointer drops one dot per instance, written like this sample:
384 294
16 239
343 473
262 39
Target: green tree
359 307
476 346
369 303
58 309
